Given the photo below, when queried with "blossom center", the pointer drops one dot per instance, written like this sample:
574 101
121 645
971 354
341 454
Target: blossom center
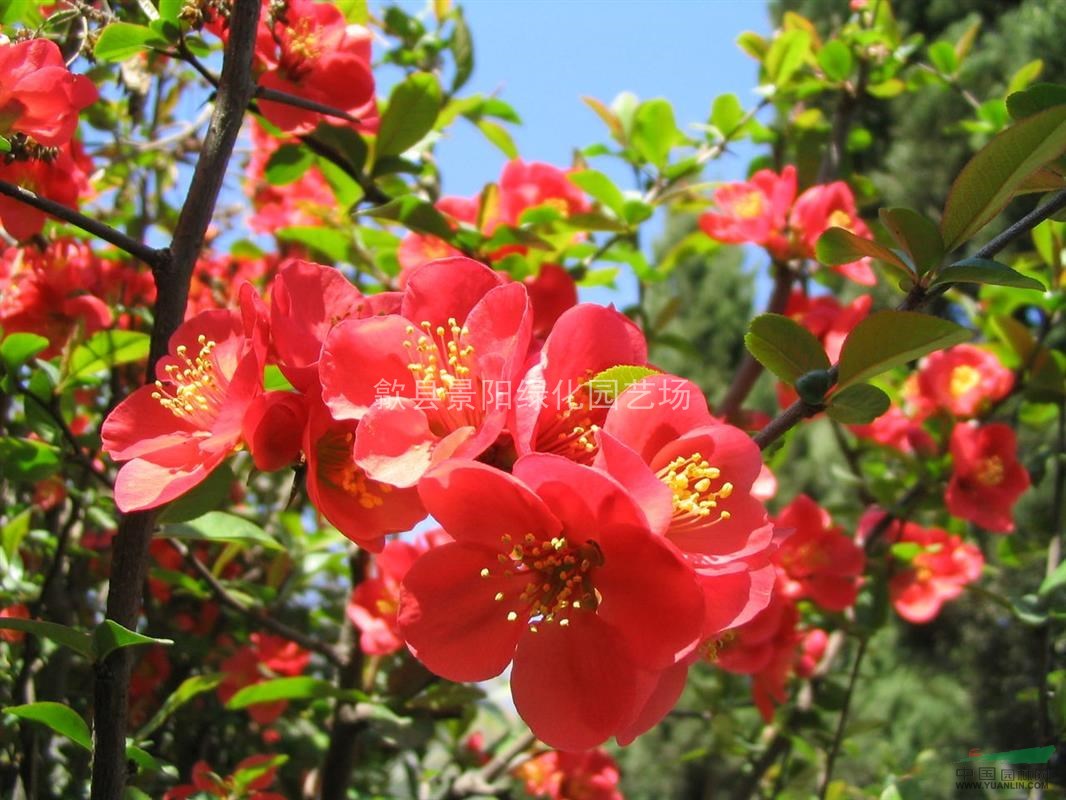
196 392
964 378
303 43
559 578
697 489
572 432
337 467
839 219
444 370
750 205
990 471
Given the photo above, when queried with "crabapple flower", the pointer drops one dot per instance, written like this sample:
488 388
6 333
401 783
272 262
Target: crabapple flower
754 211
555 569
273 427
173 433
17 611
63 178
963 379
265 657
937 574
556 408
374 602
423 383
818 560
898 431
528 185
825 317
825 206
592 775
207 783
987 479
39 96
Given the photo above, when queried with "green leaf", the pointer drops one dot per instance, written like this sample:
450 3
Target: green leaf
414 213
463 50
143 759
63 720
13 532
288 164
18 348
887 339
218 526
298 688
655 131
836 60
274 380
601 188
412 110
611 382
170 9
1038 97
1025 75
333 244
78 641
992 176
858 404
189 688
104 351
27 460
5 145
1053 581
787 53
785 347
206 496
919 236
498 135
343 143
943 56
986 271
726 113
839 246
109 636
121 40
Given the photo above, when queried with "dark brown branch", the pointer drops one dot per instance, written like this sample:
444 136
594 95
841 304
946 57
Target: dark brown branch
257 617
149 255
172 275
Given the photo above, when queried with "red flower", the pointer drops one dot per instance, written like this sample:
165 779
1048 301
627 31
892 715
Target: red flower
375 601
174 433
524 186
17 611
592 775
827 319
273 427
830 205
988 479
754 211
39 97
573 587
306 201
233 787
424 383
819 561
556 409
963 379
896 430
63 179
266 657
311 52
361 508
937 574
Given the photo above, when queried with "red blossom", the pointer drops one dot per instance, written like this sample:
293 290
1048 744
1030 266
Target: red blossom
424 383
39 97
964 380
304 202
819 561
17 611
555 569
591 775
827 318
264 658
825 206
987 479
754 211
937 574
63 179
900 432
174 433
232 787
528 185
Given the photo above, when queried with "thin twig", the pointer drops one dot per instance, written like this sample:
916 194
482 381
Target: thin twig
480 781
838 737
149 255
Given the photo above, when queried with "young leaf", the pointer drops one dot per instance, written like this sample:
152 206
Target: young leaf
986 271
917 235
410 115
18 348
787 53
218 526
600 188
288 164
27 460
839 246
109 636
414 213
463 49
189 688
655 131
63 720
78 641
835 60
858 404
993 175
887 339
785 347
610 383
105 350
298 688
122 40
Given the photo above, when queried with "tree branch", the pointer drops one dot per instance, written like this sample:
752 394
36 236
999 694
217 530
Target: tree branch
149 255
838 737
172 274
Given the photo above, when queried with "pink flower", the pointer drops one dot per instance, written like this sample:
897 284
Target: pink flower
825 317
987 479
936 575
63 179
174 433
754 211
528 185
825 206
424 383
17 611
963 379
900 432
591 775
555 569
232 787
39 96
266 657
819 561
